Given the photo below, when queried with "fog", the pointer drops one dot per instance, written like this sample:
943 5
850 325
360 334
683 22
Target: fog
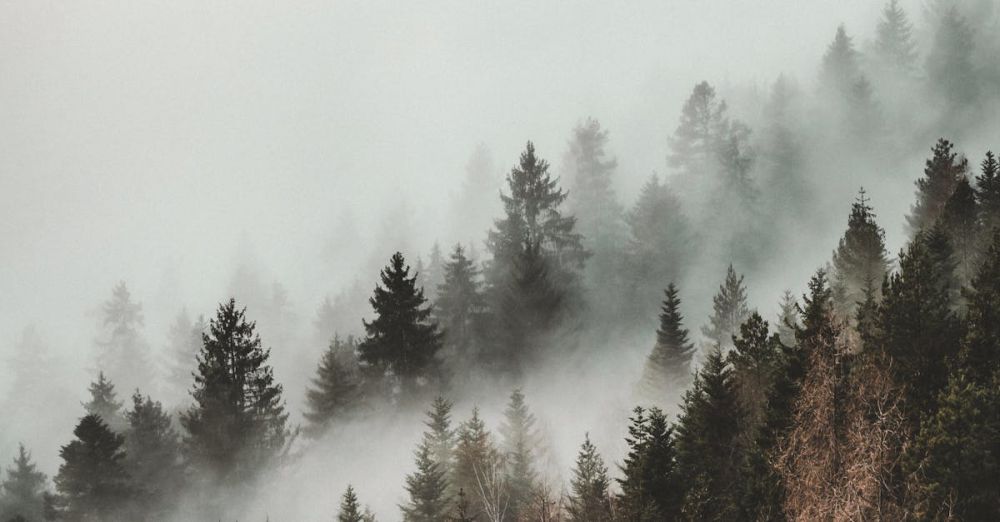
176 145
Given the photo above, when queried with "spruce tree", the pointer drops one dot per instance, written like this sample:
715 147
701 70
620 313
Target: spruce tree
668 366
988 195
336 389
474 454
519 443
427 488
729 310
21 493
840 70
960 222
788 319
860 261
980 352
754 359
122 351
949 68
402 339
350 509
894 45
942 173
708 434
698 136
460 308
589 500
92 480
104 403
238 422
434 276
153 456
651 481
184 342
440 436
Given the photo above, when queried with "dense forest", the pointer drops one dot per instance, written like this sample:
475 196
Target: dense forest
869 390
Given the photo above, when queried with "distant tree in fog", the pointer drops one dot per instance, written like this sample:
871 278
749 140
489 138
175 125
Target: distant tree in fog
350 509
729 310
894 45
22 492
519 443
860 261
402 340
434 276
475 205
427 488
92 481
122 351
840 68
668 367
238 421
461 310
153 456
951 73
104 403
960 223
988 195
589 500
183 345
441 438
788 318
475 452
336 390
942 173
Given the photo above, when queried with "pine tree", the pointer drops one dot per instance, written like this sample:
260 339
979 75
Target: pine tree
476 202
703 123
184 342
860 261
980 355
474 454
519 442
21 494
949 67
708 443
840 69
460 308
92 480
122 351
427 487
788 319
988 193
729 310
440 436
960 222
668 366
336 390
650 484
783 162
238 421
941 175
589 500
402 339
658 248
435 272
350 510
754 361
103 403
152 455
894 45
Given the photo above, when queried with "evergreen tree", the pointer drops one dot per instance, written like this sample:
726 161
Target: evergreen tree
153 456
589 500
336 390
427 488
729 310
698 137
949 67
476 202
708 449
658 248
783 162
860 262
840 70
434 276
537 254
788 320
184 342
650 483
122 351
942 173
440 436
519 443
21 494
474 454
754 360
668 366
103 403
238 421
894 45
92 479
980 356
402 340
960 222
462 510
988 194
460 308
350 510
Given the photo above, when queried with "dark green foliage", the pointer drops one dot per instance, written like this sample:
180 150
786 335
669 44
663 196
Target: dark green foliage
589 500
21 493
238 422
402 339
942 173
519 443
894 45
958 449
336 390
960 222
460 308
668 366
860 262
104 403
427 487
650 483
980 355
729 310
916 325
92 480
988 194
153 456
708 449
350 510
754 359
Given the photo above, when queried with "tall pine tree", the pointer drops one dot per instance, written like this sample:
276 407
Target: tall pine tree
860 262
942 173
92 480
729 310
337 388
519 442
153 456
589 500
651 487
22 492
461 309
104 403
668 367
427 488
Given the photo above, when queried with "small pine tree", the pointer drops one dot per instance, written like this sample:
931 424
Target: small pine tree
650 483
942 173
103 403
122 351
402 339
988 194
669 364
92 480
336 389
589 500
153 455
860 261
350 509
519 442
788 318
729 310
427 487
21 494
